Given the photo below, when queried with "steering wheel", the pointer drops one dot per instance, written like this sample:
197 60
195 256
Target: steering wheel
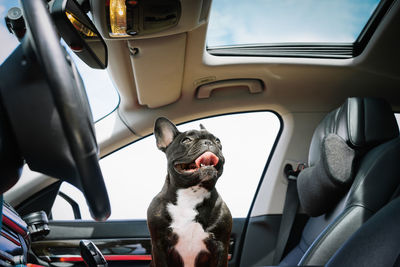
67 149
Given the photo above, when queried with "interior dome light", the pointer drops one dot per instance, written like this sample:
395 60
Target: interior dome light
118 17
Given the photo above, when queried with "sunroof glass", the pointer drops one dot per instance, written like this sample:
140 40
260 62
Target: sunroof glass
234 22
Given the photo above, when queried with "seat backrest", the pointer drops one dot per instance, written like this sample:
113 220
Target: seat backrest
376 243
351 175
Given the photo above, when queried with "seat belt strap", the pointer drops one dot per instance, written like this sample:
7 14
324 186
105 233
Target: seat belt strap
288 214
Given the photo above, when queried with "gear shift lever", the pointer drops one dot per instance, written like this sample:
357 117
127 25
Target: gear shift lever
91 254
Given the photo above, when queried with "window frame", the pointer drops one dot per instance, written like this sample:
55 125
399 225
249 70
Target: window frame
257 185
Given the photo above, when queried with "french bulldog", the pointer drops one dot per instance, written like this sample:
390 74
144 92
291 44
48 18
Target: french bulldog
189 223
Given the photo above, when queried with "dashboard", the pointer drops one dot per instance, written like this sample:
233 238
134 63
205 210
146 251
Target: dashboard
14 239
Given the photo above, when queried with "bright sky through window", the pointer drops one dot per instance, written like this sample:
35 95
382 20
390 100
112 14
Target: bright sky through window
235 22
103 97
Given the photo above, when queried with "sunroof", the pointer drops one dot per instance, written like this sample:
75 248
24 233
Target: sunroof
266 22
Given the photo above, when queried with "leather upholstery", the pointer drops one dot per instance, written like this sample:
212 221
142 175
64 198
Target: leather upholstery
361 122
374 185
376 243
369 126
321 186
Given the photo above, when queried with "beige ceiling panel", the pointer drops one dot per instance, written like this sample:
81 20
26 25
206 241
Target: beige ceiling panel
158 65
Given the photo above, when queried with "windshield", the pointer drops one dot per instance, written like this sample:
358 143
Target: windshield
235 23
103 97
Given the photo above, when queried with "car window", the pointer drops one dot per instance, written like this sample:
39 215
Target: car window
136 173
282 21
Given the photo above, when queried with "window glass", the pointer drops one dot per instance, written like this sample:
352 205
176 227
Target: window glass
103 96
8 41
136 173
235 22
397 115
62 210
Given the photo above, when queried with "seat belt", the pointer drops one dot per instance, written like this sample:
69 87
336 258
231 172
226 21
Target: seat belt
289 211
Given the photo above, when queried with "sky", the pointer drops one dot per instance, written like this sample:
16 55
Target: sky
278 21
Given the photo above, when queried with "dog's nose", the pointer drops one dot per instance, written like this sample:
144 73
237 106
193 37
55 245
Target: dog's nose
208 143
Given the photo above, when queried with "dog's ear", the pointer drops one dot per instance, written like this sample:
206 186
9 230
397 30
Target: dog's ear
202 127
165 132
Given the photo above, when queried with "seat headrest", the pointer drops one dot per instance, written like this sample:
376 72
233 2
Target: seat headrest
343 136
362 122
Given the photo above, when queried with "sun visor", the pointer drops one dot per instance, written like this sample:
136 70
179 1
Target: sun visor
158 69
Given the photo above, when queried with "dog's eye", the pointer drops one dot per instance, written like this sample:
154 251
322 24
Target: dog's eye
217 141
186 140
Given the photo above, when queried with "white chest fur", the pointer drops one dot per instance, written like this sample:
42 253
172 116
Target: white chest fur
190 233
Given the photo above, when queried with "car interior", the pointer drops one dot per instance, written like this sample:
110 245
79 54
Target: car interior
324 193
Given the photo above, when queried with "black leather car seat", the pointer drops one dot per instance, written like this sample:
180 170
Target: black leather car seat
352 173
376 243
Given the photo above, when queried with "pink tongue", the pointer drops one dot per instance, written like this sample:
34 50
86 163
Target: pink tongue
208 159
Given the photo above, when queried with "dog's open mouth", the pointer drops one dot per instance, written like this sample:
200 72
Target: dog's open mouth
206 159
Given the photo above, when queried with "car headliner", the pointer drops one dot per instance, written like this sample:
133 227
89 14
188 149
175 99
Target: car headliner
291 84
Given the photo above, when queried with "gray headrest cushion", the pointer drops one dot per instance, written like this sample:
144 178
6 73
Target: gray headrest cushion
322 185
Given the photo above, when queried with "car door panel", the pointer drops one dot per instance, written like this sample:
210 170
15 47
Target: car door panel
261 237
123 243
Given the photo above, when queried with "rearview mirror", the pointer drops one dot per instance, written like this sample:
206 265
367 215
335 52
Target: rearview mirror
79 33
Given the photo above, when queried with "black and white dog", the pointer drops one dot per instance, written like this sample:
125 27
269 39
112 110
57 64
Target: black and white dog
189 223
